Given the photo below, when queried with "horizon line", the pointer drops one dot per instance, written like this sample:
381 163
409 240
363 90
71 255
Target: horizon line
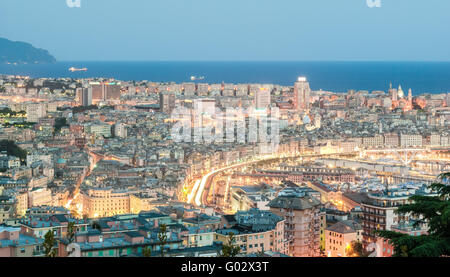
318 61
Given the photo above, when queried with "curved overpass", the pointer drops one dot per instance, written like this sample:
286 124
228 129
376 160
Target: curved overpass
205 182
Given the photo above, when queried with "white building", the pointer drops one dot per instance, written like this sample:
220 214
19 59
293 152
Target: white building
35 111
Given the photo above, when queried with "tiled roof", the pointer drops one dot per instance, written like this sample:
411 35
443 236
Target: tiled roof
296 203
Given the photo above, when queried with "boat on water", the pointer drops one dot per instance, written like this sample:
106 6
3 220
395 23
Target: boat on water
195 78
73 69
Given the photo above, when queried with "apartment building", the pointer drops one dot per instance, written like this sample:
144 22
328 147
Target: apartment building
379 213
105 202
302 223
256 231
339 236
411 140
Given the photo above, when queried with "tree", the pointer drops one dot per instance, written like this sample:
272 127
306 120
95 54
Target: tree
59 123
356 249
49 243
228 248
12 149
162 236
435 212
147 252
71 232
96 226
260 253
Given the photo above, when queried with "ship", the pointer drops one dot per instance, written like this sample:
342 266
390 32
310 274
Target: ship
195 78
73 69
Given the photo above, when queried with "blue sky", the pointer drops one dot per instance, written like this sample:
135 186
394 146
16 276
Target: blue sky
232 30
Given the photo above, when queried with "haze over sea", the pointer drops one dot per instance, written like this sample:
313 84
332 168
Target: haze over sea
421 77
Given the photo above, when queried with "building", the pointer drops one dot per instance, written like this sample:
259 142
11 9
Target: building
303 217
373 142
104 91
391 140
167 102
35 111
189 89
39 196
84 96
339 236
112 91
120 130
411 140
15 244
128 244
262 98
97 92
379 214
243 198
99 129
302 93
256 231
9 161
39 226
105 202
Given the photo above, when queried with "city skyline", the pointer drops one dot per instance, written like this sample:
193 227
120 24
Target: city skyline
333 143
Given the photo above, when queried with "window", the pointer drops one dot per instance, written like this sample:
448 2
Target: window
22 250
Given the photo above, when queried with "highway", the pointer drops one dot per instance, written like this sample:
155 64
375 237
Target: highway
201 196
202 186
205 181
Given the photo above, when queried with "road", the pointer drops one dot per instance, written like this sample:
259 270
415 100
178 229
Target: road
205 181
95 158
201 189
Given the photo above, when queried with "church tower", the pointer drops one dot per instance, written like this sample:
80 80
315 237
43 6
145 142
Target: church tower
401 94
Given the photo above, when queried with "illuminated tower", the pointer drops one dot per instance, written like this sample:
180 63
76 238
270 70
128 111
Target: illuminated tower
401 94
393 93
302 93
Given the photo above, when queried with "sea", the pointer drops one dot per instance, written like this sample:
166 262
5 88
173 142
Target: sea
421 77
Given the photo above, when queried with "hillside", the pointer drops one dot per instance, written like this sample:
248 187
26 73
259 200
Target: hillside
22 52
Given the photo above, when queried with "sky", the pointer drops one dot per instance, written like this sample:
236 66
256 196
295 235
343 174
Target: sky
232 30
